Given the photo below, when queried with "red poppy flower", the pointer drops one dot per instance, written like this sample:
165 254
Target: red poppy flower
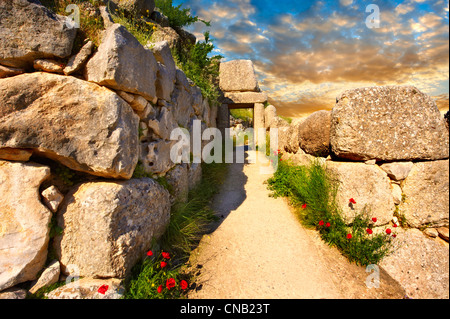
327 225
160 289
388 231
149 253
394 235
321 223
170 283
351 200
374 219
369 231
349 236
163 264
304 206
102 289
395 225
183 284
165 255
281 159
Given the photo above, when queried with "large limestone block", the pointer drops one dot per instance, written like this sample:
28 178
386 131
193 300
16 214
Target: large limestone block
163 125
29 31
79 124
238 75
314 133
388 123
178 178
108 226
122 63
182 100
292 137
270 112
24 222
245 97
368 185
426 191
419 264
155 156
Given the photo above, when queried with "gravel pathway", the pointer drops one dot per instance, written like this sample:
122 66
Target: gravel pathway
259 250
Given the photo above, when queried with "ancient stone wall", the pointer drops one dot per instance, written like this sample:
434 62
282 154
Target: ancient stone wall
83 138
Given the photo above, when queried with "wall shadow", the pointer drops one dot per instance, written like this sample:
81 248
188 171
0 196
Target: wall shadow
232 192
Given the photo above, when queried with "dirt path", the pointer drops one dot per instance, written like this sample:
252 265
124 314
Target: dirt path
259 250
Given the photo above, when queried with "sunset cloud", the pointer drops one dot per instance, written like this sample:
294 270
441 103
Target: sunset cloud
307 52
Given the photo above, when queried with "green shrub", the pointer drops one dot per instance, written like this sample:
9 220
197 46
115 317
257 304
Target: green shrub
313 193
177 16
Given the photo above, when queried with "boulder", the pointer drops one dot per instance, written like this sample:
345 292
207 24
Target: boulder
155 157
293 136
121 218
443 233
52 198
88 288
270 112
163 125
178 179
426 192
122 63
419 264
30 31
84 126
389 123
314 133
24 228
195 175
167 34
245 97
182 100
48 277
397 171
162 53
238 75
6 71
48 65
164 84
78 61
368 185
13 293
140 7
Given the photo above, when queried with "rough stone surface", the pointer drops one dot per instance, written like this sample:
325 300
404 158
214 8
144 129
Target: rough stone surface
244 97
162 53
24 228
13 293
48 277
195 174
48 65
87 288
420 265
6 71
155 157
270 112
122 63
30 31
431 232
79 124
167 34
368 185
278 122
121 218
314 134
258 115
397 171
396 193
163 125
238 75
388 123
178 178
182 100
293 136
443 233
78 61
14 154
52 198
426 190
144 7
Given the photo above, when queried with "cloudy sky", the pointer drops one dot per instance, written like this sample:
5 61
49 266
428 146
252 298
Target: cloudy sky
306 53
